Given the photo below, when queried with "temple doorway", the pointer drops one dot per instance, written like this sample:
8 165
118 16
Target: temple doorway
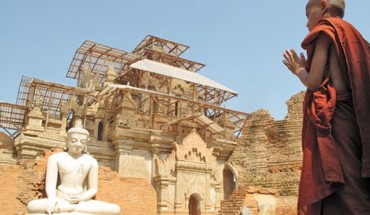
229 182
194 204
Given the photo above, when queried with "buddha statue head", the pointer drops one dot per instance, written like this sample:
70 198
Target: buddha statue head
77 139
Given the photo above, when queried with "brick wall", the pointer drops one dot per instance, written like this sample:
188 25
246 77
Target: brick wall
270 156
9 191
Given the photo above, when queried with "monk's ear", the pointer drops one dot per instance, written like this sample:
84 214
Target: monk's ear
324 6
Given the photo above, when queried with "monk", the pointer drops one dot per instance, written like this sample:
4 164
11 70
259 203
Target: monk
78 176
336 119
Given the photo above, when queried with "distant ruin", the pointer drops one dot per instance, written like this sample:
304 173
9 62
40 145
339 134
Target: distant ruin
164 140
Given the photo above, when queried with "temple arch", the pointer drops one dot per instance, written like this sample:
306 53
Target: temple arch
194 204
100 130
229 180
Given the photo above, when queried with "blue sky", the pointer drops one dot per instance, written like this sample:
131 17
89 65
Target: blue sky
241 42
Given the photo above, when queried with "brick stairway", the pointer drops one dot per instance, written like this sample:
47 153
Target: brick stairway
242 196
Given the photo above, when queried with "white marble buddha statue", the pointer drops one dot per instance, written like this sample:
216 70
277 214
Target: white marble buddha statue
77 184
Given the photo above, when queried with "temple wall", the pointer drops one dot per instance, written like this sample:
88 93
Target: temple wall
137 164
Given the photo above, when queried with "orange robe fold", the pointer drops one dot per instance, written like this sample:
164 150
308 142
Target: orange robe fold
322 172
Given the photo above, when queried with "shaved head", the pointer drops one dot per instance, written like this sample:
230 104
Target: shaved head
335 7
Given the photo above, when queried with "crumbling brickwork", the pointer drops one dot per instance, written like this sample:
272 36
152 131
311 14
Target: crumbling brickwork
270 154
10 189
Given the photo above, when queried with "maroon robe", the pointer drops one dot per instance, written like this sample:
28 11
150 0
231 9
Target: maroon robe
336 131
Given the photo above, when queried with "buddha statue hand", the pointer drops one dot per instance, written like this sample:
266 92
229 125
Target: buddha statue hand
74 199
50 205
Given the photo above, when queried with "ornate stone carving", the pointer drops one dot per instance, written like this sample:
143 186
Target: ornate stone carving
165 167
193 148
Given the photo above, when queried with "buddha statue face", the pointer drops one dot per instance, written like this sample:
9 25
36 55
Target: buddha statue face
76 142
77 139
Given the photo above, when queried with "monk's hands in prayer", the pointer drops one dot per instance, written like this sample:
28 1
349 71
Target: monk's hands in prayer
294 62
